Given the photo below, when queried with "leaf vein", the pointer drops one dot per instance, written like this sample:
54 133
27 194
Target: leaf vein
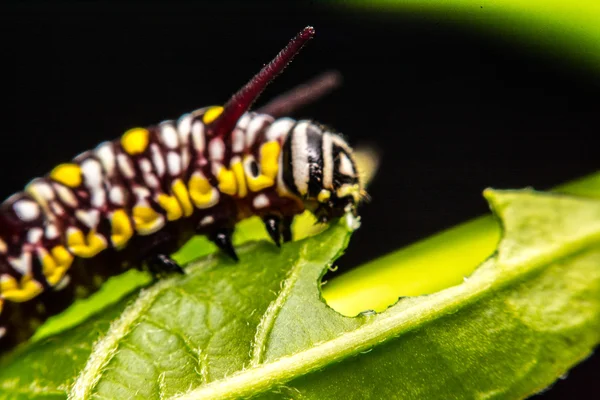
268 319
415 312
105 348
195 353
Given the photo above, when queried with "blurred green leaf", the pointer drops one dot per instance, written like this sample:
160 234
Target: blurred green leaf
430 265
571 27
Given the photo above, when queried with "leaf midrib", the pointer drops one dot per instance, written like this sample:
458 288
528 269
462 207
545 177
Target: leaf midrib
383 328
268 320
105 348
493 275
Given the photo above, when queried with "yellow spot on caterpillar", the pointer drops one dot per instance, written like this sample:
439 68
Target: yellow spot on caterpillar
260 182
135 141
122 230
62 256
67 174
48 264
28 289
7 283
146 220
227 183
211 114
201 191
323 196
171 206
269 165
1 305
63 260
181 193
238 172
269 159
55 265
85 247
352 190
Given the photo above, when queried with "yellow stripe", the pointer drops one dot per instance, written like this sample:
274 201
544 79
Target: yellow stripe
28 289
227 183
122 230
238 172
211 114
85 247
201 191
67 174
269 159
146 220
181 193
171 206
135 141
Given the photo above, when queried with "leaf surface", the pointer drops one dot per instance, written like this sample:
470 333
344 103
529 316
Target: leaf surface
260 328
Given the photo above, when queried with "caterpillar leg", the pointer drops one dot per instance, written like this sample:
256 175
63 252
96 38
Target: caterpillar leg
322 215
154 255
286 230
278 228
222 238
273 226
161 264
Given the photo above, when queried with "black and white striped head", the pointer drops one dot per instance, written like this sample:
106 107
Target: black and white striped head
318 166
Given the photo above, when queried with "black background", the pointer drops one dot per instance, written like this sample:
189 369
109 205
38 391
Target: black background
453 109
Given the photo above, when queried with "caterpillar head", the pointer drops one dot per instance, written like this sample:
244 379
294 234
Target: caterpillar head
319 167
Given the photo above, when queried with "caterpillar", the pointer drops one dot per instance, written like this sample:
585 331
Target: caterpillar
137 199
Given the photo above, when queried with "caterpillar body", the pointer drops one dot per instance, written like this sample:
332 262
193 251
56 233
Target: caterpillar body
138 198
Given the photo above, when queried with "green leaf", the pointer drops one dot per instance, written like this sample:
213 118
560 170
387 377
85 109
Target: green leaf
261 328
568 26
219 301
432 264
